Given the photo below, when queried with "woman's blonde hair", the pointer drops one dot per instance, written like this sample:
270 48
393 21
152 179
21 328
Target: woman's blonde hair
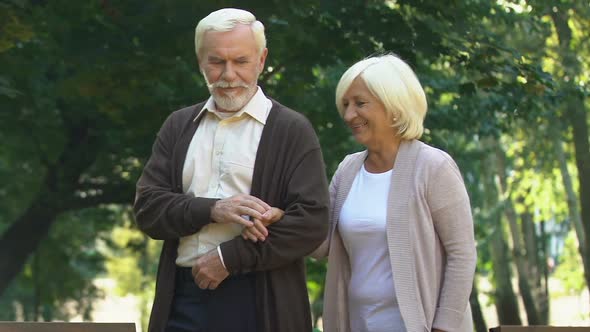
395 84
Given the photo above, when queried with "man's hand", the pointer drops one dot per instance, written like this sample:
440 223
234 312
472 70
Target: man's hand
233 210
258 231
208 271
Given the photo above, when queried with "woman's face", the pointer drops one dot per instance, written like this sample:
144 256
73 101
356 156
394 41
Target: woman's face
365 115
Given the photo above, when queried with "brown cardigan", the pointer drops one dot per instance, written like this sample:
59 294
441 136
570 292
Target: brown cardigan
288 173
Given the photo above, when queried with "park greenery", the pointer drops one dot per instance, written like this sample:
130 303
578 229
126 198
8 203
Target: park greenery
85 85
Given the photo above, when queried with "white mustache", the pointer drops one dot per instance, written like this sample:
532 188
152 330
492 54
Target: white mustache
225 84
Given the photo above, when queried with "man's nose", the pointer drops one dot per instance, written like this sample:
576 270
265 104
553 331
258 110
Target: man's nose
229 73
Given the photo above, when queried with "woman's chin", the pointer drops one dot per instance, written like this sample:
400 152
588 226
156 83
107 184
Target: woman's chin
360 139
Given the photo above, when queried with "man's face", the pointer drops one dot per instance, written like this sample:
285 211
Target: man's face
231 64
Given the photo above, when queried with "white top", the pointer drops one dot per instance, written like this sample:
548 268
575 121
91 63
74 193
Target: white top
219 164
372 300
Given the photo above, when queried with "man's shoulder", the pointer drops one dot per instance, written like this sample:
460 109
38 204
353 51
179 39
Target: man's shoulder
286 116
179 118
188 111
289 126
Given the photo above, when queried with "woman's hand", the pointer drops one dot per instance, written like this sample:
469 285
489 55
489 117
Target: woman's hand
258 231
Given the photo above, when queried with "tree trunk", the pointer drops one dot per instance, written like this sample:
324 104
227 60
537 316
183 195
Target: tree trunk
573 209
23 236
479 322
572 200
544 274
58 195
506 304
505 299
536 264
519 252
576 115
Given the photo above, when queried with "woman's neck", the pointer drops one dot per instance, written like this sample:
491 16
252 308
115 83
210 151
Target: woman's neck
381 158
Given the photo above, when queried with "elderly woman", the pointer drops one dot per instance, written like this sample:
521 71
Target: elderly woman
401 250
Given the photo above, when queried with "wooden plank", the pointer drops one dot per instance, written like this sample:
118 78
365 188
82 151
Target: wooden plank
65 327
538 328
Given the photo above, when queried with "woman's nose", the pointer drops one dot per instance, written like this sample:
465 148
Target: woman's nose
349 113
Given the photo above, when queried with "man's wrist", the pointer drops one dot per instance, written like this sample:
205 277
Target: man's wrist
221 257
212 212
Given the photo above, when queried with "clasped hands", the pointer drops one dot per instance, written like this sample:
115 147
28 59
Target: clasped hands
249 211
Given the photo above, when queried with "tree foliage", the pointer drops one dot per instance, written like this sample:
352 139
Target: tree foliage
84 87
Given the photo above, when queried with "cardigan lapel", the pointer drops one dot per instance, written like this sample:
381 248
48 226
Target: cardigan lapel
398 235
181 146
346 182
336 317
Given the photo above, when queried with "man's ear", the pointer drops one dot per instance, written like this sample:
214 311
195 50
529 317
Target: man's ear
262 59
199 65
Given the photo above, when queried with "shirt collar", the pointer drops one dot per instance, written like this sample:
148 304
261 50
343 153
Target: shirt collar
258 107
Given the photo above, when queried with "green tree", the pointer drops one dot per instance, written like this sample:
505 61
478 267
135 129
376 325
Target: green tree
86 85
570 20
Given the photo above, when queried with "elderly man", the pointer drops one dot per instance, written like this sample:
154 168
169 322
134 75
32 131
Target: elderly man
237 160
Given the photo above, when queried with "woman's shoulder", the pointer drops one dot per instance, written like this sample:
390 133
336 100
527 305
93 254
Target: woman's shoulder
353 158
350 158
428 151
348 163
434 160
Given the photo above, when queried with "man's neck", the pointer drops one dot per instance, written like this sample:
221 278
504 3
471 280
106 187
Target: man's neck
221 110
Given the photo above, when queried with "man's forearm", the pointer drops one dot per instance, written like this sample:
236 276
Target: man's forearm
290 239
167 215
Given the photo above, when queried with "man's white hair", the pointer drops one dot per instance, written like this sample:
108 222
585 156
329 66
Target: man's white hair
227 19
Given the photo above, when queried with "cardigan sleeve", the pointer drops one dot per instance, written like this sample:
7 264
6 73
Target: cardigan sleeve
305 223
162 211
324 249
451 214
303 227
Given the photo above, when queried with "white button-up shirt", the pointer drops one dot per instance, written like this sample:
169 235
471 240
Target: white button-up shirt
219 164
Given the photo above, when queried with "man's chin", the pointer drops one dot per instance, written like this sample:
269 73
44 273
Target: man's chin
229 104
231 91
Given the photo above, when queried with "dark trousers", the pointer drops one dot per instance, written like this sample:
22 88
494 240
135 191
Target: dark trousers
231 307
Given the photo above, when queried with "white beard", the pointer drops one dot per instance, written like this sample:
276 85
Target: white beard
230 102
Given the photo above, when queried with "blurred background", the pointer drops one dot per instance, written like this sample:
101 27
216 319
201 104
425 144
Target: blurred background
85 85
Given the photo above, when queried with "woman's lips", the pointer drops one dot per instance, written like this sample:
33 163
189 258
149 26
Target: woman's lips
358 125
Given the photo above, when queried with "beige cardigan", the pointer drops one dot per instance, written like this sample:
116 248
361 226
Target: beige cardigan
430 237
